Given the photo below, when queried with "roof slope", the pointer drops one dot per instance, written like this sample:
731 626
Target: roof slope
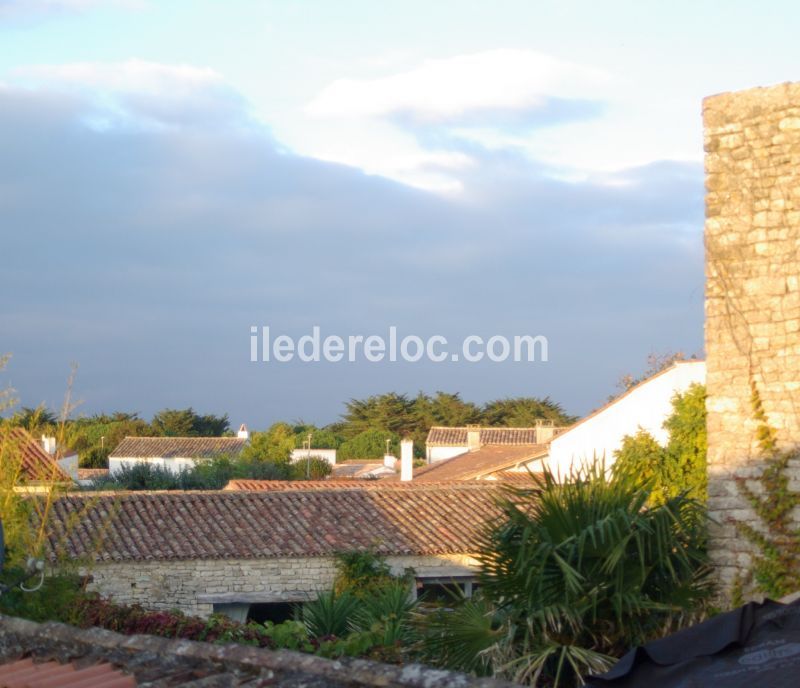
177 447
487 459
247 525
288 485
36 464
447 437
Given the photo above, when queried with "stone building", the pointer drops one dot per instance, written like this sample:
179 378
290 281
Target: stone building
254 554
752 232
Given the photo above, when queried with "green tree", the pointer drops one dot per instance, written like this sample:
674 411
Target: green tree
681 465
35 420
188 423
274 445
521 412
392 412
370 444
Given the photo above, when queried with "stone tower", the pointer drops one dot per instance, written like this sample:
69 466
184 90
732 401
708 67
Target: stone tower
752 233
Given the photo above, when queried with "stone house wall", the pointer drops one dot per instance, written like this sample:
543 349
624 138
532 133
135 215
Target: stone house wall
752 232
195 585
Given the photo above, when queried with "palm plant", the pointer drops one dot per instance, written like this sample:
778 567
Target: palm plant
386 614
330 614
577 572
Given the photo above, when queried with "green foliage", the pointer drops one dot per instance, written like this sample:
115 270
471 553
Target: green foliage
188 423
330 614
524 412
289 635
55 599
386 614
776 567
274 445
212 474
311 468
464 638
681 465
369 444
37 421
361 573
576 573
321 438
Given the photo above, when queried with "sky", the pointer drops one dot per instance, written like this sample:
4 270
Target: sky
174 172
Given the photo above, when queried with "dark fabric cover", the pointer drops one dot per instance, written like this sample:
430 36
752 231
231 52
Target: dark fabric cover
754 646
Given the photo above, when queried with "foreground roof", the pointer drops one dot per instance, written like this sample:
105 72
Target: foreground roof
137 526
35 464
448 437
482 462
177 447
152 661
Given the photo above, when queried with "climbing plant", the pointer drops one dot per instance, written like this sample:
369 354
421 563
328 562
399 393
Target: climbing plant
776 566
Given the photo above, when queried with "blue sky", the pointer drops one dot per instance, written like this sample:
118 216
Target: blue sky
173 172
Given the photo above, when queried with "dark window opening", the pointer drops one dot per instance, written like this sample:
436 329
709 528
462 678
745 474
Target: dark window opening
277 612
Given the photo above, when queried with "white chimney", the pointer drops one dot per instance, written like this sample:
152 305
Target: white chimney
49 444
244 433
545 430
406 460
389 461
473 438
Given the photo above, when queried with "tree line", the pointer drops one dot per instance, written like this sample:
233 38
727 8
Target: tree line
361 433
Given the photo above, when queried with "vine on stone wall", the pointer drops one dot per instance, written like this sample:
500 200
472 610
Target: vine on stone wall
776 567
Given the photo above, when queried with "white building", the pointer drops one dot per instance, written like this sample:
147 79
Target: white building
645 406
328 455
174 453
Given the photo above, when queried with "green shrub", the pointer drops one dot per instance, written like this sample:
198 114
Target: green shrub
311 468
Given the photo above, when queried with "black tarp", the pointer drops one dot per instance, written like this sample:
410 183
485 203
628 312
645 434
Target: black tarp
754 646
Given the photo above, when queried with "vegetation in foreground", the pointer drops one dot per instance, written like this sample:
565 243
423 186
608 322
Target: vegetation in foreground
572 575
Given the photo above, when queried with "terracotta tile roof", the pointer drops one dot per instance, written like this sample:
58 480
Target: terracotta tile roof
449 437
35 463
247 525
295 485
360 469
25 673
486 460
177 447
89 473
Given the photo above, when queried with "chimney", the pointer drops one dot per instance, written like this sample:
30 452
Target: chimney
244 433
389 461
49 444
406 460
545 430
473 438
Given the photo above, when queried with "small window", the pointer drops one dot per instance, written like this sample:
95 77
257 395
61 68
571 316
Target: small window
443 591
277 612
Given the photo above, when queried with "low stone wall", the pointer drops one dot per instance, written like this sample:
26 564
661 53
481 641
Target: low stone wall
159 662
193 586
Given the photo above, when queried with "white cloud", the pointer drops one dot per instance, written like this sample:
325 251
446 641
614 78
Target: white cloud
138 76
443 89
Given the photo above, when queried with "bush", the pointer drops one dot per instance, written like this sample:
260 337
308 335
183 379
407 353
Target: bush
311 468
212 474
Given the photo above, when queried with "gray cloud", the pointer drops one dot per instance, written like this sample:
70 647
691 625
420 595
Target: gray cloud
145 253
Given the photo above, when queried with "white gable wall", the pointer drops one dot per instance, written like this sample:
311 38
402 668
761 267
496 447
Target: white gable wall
646 406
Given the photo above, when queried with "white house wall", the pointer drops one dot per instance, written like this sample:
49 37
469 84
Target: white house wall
442 453
646 406
328 454
176 465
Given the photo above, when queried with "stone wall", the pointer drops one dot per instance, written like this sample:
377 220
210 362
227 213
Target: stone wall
752 230
195 585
